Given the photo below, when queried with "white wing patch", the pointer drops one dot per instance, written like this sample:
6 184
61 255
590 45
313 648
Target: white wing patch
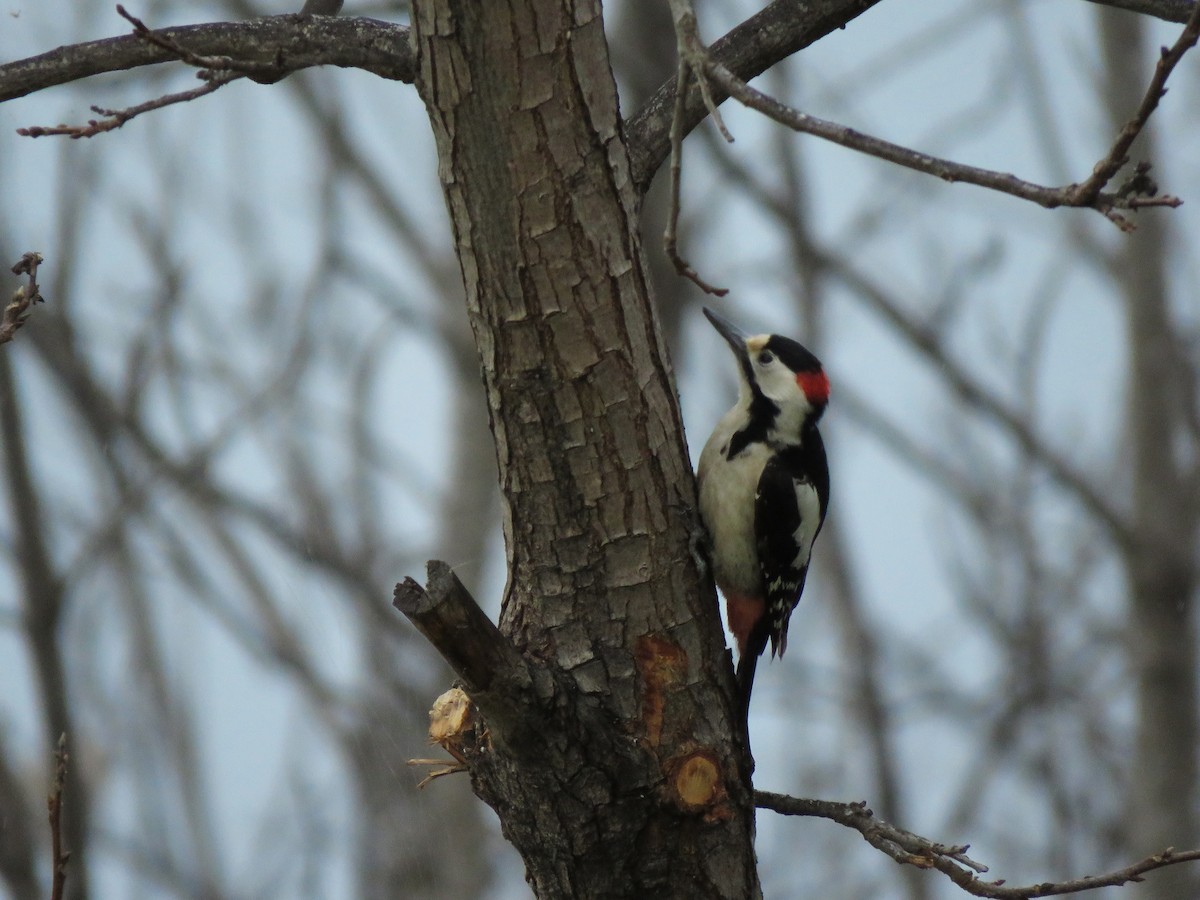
809 505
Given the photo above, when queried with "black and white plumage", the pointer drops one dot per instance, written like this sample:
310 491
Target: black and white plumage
764 490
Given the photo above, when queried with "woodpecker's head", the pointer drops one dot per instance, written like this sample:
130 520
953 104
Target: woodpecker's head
780 380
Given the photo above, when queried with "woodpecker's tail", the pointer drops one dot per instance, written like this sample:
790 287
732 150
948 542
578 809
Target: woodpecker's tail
747 663
748 654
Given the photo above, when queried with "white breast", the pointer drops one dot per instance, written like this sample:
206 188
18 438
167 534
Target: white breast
727 489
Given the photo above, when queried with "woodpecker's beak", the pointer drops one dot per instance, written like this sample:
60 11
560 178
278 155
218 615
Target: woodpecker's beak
734 335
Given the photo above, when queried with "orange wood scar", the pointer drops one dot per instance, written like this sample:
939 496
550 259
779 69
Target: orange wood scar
662 665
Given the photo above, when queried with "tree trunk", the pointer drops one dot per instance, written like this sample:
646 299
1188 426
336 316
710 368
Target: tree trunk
1160 572
609 751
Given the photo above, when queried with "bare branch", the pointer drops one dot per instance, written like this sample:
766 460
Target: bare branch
115 118
731 64
287 43
495 675
1168 10
691 62
54 805
17 311
450 619
908 848
1089 194
212 63
781 29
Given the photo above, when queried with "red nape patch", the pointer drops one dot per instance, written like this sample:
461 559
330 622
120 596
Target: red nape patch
743 614
815 386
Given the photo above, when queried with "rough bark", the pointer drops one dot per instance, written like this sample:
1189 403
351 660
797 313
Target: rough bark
625 701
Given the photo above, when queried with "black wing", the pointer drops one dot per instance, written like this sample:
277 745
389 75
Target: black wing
779 510
789 510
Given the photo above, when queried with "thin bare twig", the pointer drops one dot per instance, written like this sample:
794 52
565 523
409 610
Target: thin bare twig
692 57
951 860
1135 193
1118 154
215 71
115 118
772 34
17 311
54 805
694 54
439 768
212 63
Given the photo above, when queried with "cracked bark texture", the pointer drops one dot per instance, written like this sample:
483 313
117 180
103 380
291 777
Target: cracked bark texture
633 688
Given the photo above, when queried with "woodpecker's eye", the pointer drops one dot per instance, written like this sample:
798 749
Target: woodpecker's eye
766 358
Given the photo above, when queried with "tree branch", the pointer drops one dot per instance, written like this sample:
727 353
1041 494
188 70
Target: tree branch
908 848
115 118
54 807
287 43
496 676
1137 191
781 29
182 53
1168 10
449 618
787 26
17 310
692 55
1118 154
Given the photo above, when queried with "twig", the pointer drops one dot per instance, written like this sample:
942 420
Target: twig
692 57
945 169
444 767
1088 194
382 48
1088 191
115 118
54 804
212 63
908 848
770 35
17 311
215 71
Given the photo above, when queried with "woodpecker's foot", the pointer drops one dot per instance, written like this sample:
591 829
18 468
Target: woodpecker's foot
699 544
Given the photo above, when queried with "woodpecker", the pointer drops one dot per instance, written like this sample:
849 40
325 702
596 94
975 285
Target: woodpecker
764 490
